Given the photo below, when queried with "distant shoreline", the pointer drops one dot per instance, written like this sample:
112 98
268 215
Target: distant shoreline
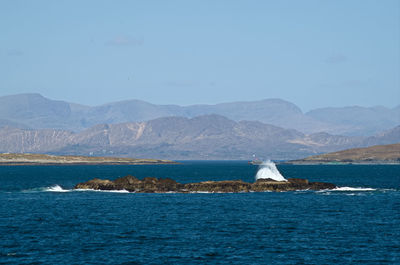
84 164
337 158
336 163
373 155
52 160
28 163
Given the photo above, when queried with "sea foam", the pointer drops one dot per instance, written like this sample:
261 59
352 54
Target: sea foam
352 189
113 191
56 188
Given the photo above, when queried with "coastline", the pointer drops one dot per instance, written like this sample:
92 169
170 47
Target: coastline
333 163
48 160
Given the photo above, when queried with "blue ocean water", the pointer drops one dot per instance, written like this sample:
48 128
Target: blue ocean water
41 223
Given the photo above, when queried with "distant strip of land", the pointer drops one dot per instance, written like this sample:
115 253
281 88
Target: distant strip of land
378 154
42 159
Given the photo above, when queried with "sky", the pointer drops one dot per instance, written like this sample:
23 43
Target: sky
312 53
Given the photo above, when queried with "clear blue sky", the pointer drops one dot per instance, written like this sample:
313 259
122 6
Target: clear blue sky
312 53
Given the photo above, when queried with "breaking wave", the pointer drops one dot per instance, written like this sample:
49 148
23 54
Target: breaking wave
349 191
113 191
268 170
58 188
352 189
54 188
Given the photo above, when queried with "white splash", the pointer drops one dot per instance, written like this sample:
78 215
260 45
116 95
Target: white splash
268 170
56 188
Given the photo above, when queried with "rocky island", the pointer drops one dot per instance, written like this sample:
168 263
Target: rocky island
154 185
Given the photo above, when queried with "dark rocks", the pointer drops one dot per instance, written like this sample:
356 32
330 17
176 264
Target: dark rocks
154 185
97 184
219 186
270 185
298 181
321 186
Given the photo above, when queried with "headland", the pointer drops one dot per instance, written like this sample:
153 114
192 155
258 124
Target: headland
378 154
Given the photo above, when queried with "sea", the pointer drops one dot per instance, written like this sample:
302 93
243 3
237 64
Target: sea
44 221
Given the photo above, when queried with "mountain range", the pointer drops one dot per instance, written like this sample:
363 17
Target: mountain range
270 128
33 111
202 137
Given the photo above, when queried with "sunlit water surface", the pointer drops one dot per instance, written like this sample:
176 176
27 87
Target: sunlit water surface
43 221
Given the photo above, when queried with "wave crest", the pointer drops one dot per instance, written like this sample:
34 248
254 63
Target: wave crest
113 191
352 189
56 188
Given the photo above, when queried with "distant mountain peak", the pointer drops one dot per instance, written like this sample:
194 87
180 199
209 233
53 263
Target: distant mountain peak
211 118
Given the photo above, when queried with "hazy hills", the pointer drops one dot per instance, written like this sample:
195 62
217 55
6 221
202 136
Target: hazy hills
358 120
37 112
270 128
203 137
